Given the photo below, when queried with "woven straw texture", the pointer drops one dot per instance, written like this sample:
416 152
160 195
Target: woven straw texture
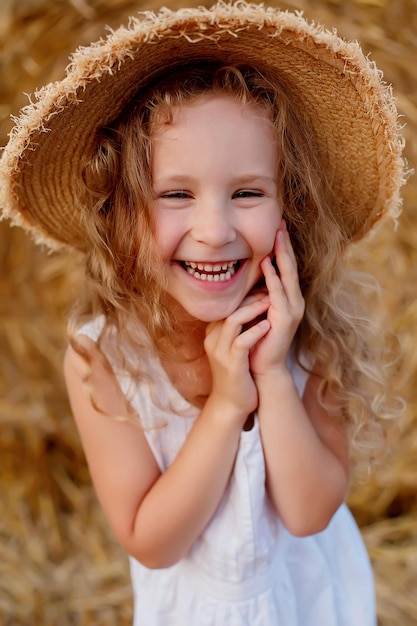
350 113
59 562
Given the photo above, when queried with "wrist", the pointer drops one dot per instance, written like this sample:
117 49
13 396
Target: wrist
276 377
224 411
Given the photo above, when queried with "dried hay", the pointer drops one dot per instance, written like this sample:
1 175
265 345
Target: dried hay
59 563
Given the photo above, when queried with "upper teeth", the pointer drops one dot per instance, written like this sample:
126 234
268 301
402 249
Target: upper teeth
208 267
219 271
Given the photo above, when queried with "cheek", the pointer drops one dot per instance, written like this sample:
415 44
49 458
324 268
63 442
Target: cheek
263 233
165 236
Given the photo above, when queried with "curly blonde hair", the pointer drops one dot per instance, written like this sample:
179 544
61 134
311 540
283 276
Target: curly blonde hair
125 281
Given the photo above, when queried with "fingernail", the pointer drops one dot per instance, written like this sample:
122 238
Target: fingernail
264 325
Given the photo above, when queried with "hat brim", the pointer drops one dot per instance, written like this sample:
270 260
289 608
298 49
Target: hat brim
339 92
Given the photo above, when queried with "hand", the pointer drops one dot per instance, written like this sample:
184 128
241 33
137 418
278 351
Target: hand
228 347
286 307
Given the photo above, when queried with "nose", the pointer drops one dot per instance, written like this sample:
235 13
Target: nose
213 223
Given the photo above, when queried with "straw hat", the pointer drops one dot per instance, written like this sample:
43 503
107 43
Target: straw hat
350 111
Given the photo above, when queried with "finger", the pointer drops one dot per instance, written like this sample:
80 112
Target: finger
246 313
249 338
252 306
273 282
287 266
261 295
284 290
223 333
213 331
287 240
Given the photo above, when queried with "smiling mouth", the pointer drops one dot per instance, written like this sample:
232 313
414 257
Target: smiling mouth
211 272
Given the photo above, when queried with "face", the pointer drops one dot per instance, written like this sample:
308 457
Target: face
216 205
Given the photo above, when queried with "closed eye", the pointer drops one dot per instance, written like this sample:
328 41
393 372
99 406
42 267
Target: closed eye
248 193
176 195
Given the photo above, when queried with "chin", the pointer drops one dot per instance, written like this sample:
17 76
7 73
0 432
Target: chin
206 315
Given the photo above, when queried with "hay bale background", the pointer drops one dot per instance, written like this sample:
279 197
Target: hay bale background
59 563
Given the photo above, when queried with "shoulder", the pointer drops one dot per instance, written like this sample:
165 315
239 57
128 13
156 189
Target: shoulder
90 380
77 359
98 347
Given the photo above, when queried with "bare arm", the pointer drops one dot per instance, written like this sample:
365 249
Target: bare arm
306 454
306 451
157 517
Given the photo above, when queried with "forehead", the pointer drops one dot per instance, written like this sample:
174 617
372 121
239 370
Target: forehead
215 136
214 111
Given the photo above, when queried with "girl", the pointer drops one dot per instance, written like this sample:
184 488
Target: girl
213 166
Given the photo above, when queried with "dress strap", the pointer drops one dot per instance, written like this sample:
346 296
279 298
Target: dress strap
92 328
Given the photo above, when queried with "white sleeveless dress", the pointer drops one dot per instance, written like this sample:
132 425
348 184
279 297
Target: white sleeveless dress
245 569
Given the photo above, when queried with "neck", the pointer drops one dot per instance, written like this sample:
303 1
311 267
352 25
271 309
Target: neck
189 332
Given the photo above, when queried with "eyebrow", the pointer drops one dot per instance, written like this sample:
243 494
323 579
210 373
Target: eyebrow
253 178
239 180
